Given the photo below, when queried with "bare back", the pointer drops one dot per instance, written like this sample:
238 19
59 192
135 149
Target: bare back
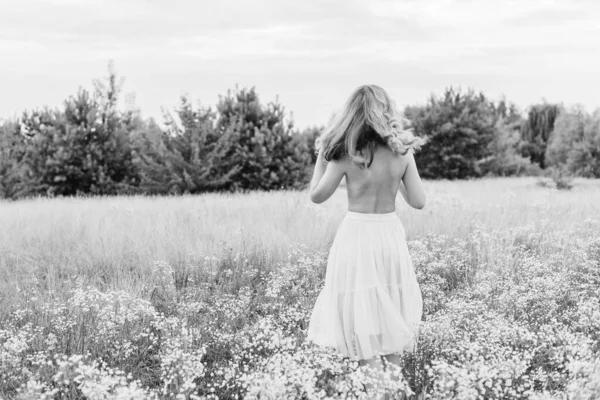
370 190
374 189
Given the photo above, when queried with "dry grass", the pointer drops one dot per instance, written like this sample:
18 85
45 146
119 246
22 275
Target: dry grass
110 242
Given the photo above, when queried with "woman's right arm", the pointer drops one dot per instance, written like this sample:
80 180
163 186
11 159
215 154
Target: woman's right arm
326 178
411 186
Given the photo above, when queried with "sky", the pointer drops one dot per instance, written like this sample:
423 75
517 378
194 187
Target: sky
308 54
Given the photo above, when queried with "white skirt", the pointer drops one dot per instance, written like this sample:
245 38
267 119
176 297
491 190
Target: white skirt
371 303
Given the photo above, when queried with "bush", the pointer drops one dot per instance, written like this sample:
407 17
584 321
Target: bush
556 178
561 179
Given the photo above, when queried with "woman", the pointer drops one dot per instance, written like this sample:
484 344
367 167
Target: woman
371 305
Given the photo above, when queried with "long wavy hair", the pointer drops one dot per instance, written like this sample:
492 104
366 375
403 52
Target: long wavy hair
368 118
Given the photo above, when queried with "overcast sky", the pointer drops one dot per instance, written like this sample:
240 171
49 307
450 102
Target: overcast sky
310 53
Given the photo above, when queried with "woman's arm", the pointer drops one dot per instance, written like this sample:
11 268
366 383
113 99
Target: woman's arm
320 167
326 178
411 186
403 192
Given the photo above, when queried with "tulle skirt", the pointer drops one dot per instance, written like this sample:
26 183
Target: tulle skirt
371 302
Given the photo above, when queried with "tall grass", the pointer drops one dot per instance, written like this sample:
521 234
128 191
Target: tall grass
168 250
111 241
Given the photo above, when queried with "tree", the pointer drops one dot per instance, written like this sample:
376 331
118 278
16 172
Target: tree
536 131
191 156
242 145
310 135
574 145
568 129
12 148
584 159
504 158
271 155
459 128
84 148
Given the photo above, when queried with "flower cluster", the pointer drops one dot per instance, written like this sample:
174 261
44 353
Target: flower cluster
509 314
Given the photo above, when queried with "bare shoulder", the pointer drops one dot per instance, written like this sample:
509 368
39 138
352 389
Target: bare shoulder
404 160
407 157
341 164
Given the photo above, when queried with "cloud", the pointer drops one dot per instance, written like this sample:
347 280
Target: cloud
311 52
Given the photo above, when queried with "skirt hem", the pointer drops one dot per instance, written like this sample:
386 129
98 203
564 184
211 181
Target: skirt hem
324 343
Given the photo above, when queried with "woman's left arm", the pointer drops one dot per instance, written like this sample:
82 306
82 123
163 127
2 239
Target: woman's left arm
326 178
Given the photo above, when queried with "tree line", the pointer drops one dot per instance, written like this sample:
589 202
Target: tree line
91 147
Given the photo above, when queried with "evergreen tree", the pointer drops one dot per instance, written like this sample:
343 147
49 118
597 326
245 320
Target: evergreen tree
12 148
271 155
310 135
191 156
83 149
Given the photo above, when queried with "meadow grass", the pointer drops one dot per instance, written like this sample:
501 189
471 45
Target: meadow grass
111 241
241 269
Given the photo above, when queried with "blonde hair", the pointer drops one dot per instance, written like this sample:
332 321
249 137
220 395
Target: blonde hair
369 117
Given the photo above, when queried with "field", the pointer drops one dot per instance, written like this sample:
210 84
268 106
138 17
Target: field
209 296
